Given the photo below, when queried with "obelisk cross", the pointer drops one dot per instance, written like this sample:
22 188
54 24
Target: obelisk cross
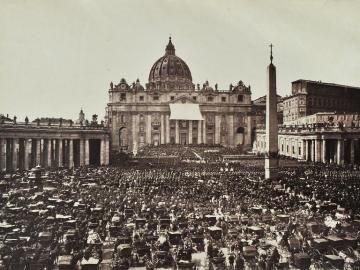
271 56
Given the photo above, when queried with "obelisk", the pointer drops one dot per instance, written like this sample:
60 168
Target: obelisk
271 154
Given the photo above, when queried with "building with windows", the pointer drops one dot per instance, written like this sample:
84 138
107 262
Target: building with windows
310 97
321 124
171 109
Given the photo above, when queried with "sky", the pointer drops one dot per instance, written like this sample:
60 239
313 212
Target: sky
58 56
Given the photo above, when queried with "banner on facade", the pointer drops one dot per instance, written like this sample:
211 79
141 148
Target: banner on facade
185 112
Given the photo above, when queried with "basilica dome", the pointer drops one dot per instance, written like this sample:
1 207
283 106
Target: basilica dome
170 71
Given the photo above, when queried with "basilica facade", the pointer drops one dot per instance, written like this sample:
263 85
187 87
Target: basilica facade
171 109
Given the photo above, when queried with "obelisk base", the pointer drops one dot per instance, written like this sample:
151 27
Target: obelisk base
271 168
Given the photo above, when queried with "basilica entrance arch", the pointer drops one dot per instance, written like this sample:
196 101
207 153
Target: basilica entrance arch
239 136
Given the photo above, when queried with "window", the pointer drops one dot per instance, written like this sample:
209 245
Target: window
210 99
141 98
223 99
240 98
194 98
172 98
122 119
122 96
156 128
156 98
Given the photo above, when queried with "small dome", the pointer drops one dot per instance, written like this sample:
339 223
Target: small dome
137 86
170 68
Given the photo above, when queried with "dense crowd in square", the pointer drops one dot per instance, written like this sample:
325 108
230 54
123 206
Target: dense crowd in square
181 215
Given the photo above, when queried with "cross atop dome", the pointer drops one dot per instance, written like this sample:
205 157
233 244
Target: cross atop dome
170 49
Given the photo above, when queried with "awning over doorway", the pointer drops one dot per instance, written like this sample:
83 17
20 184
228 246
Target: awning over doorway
185 112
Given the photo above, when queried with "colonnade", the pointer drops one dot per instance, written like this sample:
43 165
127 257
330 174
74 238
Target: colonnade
334 150
25 153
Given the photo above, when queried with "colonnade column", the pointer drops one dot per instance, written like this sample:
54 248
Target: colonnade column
60 153
82 152
304 150
2 154
48 156
317 150
313 150
162 129
27 154
167 129
87 160
352 151
217 129
340 152
38 156
42 159
102 152
199 132
71 153
190 132
177 131
53 155
323 151
15 154
107 151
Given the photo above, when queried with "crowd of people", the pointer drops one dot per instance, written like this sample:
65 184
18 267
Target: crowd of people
182 216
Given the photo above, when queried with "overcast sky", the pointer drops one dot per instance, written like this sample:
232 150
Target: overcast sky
57 56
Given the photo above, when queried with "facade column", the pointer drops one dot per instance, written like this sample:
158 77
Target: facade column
162 129
177 131
60 153
87 154
167 129
323 151
204 131
48 153
217 129
38 152
190 131
71 153
82 152
199 132
27 153
2 155
148 129
317 150
102 152
340 152
231 130
135 131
